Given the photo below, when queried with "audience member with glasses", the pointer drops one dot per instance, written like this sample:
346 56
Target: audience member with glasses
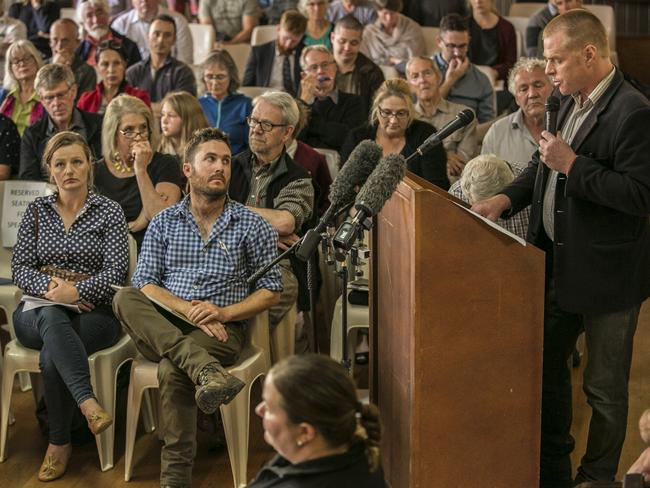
333 112
57 89
318 27
72 246
224 108
394 126
111 65
143 181
462 82
18 98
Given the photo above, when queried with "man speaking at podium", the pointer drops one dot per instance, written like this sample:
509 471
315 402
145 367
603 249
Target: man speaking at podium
589 185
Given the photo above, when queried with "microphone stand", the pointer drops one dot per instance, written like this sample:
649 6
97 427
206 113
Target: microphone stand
310 284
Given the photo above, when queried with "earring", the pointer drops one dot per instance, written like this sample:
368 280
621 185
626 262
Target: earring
300 443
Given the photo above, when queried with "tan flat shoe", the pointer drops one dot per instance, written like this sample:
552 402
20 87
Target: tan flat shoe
99 421
52 468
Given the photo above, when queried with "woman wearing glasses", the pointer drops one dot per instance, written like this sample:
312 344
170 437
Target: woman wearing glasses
393 125
144 182
111 65
18 98
223 106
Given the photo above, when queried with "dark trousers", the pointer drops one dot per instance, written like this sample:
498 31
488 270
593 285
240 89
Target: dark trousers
609 341
182 351
65 339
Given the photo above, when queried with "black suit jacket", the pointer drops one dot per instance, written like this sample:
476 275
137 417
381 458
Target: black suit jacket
260 64
35 139
602 234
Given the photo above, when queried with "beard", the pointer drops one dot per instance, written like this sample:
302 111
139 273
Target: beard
201 186
98 32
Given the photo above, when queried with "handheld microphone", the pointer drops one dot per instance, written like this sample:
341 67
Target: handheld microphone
371 198
463 118
550 116
355 172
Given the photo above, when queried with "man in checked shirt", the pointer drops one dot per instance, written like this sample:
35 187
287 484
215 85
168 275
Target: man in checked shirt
195 258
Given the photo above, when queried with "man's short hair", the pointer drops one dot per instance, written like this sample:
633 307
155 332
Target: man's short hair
201 136
319 48
348 22
165 18
580 27
394 5
69 22
293 22
524 64
283 101
51 75
427 60
485 176
454 23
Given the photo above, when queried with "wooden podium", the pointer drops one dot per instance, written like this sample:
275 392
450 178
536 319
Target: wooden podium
456 309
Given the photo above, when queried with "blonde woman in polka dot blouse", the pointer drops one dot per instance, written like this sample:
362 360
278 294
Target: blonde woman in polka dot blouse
71 247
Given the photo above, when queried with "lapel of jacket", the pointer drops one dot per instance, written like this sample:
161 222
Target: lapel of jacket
591 120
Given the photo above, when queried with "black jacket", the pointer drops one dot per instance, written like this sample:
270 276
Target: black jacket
285 172
347 470
35 138
602 234
260 65
330 123
432 166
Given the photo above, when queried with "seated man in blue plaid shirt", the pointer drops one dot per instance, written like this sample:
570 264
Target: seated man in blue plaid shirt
194 262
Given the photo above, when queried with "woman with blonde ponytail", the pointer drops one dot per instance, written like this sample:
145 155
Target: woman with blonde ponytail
323 435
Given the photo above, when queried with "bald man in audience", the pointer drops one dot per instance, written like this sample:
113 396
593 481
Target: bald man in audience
64 41
356 72
515 138
424 78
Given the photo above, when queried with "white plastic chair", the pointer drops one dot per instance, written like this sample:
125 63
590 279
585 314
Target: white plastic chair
253 363
520 24
358 319
263 34
525 9
333 159
239 53
430 39
104 366
283 337
253 91
202 41
69 13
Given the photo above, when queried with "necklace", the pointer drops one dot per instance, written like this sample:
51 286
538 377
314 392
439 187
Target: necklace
119 165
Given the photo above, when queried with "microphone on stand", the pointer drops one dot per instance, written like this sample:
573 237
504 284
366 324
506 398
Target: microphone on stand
355 172
550 115
371 198
463 118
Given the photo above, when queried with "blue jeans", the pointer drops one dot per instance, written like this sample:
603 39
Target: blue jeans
65 339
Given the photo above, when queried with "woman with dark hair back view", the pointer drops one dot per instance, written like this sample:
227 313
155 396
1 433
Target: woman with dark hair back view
324 436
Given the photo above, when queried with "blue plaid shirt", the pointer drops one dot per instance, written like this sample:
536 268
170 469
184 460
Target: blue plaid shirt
174 257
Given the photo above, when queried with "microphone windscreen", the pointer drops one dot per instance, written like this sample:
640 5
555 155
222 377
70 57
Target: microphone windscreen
382 183
362 161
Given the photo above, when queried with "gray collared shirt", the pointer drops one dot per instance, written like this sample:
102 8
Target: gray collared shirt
76 125
574 121
510 139
463 141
